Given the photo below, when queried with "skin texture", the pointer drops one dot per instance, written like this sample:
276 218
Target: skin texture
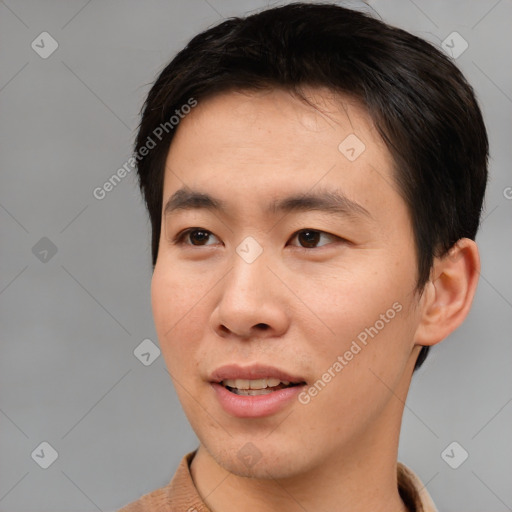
298 306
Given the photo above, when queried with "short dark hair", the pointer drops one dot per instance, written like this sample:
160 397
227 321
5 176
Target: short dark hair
420 102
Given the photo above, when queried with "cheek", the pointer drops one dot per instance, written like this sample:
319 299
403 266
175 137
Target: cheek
347 300
369 313
178 311
358 372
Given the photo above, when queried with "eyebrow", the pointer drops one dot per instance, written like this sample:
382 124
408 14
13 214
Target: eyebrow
327 201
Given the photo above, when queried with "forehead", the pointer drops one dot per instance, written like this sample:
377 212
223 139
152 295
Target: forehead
272 142
319 114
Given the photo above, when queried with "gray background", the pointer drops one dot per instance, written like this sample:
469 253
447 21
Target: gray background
70 324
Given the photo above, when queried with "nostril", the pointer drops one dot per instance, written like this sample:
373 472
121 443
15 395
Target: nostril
264 327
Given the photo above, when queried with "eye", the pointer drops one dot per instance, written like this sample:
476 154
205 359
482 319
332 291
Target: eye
308 238
311 237
198 235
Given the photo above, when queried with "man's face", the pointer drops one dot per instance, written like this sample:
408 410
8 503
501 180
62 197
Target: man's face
308 289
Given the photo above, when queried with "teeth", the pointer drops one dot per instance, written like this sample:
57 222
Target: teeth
253 384
252 392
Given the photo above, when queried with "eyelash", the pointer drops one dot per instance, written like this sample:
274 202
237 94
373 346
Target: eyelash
179 239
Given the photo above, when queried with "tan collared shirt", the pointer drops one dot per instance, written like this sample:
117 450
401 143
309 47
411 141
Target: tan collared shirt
180 494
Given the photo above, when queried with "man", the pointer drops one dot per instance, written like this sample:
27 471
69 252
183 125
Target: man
314 179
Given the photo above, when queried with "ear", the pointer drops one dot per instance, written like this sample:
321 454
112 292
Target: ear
448 295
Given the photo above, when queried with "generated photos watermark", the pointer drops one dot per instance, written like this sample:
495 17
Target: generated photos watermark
343 360
158 134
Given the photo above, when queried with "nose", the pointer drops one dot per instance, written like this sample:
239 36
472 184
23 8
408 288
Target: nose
252 303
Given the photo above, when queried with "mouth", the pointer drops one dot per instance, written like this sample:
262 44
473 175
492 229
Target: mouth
254 391
258 386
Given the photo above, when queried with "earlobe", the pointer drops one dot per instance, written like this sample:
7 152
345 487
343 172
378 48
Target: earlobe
448 295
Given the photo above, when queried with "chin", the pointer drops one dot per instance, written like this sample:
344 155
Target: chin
259 459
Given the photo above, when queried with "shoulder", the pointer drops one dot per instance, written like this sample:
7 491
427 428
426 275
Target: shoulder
155 501
176 496
412 491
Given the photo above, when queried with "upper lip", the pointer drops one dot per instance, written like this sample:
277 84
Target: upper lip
255 371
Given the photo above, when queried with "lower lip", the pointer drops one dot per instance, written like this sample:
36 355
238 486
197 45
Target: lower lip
245 406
